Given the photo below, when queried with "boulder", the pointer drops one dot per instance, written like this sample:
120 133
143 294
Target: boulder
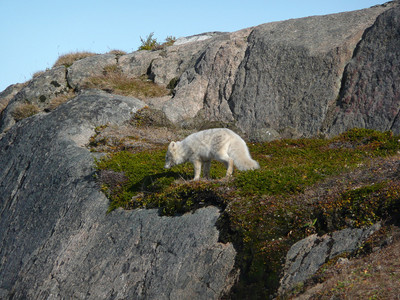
137 64
306 256
39 92
8 94
207 85
282 77
58 242
173 61
162 66
88 67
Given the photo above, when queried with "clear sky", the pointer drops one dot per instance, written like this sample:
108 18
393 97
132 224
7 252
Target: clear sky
35 33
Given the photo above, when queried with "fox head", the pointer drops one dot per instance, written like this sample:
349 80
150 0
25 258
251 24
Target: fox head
170 157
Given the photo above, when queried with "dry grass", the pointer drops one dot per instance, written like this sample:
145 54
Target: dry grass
148 129
114 81
117 52
69 58
24 110
38 73
57 101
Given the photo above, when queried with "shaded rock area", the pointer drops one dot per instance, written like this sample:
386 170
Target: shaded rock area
292 71
370 94
58 242
308 255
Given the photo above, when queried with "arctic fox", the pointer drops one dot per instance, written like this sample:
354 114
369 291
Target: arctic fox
201 147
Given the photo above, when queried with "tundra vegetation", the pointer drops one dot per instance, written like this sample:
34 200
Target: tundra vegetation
304 186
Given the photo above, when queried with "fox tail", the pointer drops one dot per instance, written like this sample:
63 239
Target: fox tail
241 157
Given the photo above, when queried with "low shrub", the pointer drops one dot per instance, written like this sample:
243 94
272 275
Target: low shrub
150 43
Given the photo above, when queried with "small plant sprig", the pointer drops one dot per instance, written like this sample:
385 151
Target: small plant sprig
150 43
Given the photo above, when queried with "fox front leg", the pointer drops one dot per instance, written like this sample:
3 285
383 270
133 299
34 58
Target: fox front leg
197 169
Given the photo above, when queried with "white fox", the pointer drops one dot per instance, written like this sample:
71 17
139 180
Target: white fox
201 147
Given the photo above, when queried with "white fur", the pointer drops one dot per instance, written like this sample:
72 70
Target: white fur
201 147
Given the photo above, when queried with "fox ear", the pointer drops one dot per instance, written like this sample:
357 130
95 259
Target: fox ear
172 145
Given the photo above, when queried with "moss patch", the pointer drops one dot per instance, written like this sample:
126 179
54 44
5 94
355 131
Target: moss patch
301 188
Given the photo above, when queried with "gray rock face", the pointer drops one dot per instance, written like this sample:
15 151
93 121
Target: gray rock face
56 240
370 95
308 255
44 87
8 94
207 86
39 91
286 77
196 38
292 71
89 67
137 64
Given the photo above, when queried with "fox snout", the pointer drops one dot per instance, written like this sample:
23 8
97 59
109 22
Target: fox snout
167 165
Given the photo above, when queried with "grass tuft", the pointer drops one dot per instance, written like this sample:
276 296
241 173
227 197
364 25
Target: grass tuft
25 110
68 59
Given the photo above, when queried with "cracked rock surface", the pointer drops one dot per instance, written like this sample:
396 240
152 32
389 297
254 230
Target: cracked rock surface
370 93
307 255
56 240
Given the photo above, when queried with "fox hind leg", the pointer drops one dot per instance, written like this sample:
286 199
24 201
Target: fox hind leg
228 162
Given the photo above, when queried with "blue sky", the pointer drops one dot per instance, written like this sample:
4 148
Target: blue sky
35 33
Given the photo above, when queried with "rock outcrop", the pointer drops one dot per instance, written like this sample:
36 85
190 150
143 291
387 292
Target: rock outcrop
295 78
39 92
56 239
292 71
370 93
308 255
300 77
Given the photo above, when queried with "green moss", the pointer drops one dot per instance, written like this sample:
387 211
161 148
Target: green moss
266 210
362 206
